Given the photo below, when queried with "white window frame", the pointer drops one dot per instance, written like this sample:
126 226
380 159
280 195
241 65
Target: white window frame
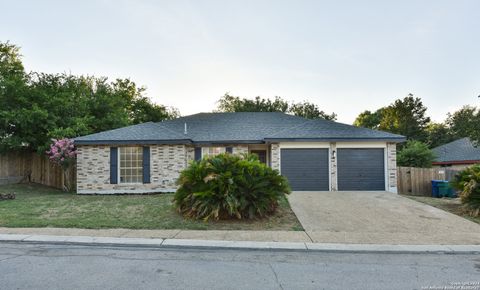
120 165
206 150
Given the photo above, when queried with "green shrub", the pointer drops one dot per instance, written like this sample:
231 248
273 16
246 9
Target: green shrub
467 182
415 154
229 186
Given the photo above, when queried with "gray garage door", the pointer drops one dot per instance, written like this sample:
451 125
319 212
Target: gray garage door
305 169
361 169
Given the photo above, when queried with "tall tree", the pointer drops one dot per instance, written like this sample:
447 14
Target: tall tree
438 134
35 107
368 119
310 111
143 110
13 85
229 103
406 117
465 123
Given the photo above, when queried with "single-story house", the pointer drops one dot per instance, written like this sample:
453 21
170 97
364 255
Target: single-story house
314 155
458 154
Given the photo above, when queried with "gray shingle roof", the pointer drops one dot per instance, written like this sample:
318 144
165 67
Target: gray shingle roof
330 130
144 133
459 150
247 127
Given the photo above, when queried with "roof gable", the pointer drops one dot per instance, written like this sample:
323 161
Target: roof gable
241 127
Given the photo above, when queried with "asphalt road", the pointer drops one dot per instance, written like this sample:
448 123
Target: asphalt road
24 266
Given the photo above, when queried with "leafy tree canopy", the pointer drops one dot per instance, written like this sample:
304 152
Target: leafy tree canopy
438 134
229 103
465 123
368 119
36 107
406 117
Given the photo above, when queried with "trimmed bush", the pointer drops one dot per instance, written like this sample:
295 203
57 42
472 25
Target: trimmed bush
229 186
467 182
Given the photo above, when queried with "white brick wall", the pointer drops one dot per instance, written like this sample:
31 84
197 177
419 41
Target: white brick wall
333 166
93 170
275 156
239 149
392 167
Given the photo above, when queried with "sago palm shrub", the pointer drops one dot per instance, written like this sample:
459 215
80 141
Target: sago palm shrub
467 182
229 186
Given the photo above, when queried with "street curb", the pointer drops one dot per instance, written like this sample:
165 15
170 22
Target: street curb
238 245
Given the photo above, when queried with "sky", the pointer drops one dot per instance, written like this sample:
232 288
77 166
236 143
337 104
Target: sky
344 56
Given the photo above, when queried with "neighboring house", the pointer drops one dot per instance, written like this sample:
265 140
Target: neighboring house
457 154
314 155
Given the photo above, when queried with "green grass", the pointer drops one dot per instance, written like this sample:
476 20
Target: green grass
452 205
40 206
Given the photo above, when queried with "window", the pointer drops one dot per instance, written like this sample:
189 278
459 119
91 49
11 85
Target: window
212 151
131 161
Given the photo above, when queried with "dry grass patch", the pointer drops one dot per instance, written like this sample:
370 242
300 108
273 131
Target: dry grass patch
452 205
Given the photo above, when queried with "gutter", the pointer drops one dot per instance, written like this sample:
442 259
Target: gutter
346 139
130 142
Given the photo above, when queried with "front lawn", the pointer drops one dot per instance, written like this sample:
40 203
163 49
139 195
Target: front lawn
451 205
40 206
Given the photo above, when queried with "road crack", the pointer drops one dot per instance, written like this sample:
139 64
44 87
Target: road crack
276 276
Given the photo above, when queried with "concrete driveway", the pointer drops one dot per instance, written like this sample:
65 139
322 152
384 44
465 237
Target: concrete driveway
378 218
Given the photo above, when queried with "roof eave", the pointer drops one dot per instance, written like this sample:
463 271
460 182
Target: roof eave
336 139
229 142
130 142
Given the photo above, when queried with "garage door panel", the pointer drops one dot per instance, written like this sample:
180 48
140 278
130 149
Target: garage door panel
305 168
361 168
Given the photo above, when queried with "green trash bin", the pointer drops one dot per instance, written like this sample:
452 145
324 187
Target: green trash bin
443 188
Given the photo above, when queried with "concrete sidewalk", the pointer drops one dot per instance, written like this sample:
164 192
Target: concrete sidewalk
247 245
278 240
255 236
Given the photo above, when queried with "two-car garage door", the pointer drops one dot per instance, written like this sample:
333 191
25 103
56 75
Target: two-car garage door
307 169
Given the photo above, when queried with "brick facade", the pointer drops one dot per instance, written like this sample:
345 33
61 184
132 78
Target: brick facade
167 161
93 170
392 167
275 156
239 149
333 167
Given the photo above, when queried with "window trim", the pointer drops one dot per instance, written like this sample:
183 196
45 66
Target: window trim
206 149
119 154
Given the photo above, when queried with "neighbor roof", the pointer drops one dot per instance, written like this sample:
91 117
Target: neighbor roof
461 150
241 127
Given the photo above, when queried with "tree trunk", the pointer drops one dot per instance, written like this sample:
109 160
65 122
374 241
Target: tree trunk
66 179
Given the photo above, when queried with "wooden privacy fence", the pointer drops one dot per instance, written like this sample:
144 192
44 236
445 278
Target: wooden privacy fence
18 167
418 181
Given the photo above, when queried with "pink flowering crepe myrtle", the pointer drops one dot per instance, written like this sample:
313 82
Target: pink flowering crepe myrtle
62 152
